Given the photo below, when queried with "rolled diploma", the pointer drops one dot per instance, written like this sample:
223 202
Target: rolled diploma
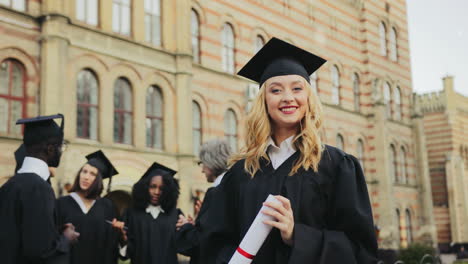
254 237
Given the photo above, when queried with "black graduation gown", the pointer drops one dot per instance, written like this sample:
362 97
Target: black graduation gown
331 208
151 241
189 236
98 241
28 231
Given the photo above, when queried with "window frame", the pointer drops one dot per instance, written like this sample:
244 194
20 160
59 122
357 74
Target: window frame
87 106
356 91
228 40
227 130
154 16
195 35
195 129
149 116
120 112
121 4
86 14
383 39
335 78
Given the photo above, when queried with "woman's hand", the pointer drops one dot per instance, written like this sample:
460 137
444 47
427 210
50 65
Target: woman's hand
284 218
184 220
118 225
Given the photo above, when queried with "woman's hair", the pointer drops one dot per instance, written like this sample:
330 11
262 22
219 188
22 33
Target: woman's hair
215 155
259 128
169 195
94 190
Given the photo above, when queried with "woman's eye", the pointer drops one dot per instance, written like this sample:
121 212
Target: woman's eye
275 90
297 88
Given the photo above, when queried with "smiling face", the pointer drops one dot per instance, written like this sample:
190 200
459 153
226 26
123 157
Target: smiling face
155 189
286 98
88 175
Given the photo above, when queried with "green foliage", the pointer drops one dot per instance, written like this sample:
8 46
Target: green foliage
414 253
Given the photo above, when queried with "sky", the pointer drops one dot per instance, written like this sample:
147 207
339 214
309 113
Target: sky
438 36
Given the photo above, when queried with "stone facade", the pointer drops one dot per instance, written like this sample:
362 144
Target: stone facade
54 46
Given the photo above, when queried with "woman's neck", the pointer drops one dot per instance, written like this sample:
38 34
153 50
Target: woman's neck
280 134
85 200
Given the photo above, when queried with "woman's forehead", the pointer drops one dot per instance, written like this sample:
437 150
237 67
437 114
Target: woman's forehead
284 79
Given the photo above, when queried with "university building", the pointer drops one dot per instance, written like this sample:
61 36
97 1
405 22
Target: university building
150 80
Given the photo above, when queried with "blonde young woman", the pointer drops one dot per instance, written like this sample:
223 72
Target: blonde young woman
325 215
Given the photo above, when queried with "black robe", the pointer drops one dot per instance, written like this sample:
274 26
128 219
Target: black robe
332 213
151 241
28 230
98 241
189 236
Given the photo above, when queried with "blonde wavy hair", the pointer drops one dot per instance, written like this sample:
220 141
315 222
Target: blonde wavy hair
307 141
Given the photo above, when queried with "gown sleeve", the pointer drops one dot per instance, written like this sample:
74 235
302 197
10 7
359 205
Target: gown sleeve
40 237
125 249
349 237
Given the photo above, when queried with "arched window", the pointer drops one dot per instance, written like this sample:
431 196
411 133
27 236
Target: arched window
154 118
259 42
335 74
387 99
121 16
356 91
393 164
383 39
404 173
87 11
195 30
230 128
197 127
393 45
409 233
19 5
153 22
397 99
123 114
87 108
227 56
313 82
12 95
340 141
398 219
360 153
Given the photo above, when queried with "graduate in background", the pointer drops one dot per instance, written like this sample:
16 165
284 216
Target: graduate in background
28 231
98 242
150 238
214 156
325 214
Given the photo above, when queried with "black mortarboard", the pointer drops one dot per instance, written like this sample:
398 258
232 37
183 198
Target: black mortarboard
41 128
277 58
20 154
157 168
102 163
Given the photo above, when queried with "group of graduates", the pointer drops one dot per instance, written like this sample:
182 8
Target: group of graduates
323 215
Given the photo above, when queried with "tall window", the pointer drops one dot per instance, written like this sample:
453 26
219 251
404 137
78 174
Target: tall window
123 115
387 98
227 56
335 74
409 233
360 153
230 128
404 173
313 82
383 39
356 91
197 127
195 29
398 218
154 118
15 4
12 95
393 45
153 22
87 11
259 42
340 142
87 108
393 163
397 99
121 16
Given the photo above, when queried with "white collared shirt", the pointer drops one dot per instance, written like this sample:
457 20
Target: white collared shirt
80 202
37 166
218 179
280 154
154 211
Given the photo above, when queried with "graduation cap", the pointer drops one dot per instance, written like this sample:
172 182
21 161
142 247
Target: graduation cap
102 163
41 128
20 154
277 58
156 169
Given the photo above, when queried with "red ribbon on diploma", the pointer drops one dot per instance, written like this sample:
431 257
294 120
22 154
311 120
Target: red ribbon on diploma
245 254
